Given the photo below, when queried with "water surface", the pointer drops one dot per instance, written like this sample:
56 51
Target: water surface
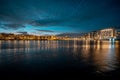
60 57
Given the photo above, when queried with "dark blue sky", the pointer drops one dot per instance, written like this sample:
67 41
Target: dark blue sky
58 16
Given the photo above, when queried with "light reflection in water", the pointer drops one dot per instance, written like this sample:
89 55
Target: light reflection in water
104 56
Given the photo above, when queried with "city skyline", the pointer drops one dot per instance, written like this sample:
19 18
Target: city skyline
57 16
72 39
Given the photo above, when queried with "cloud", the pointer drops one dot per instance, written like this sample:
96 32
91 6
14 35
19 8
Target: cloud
44 30
81 15
46 22
12 26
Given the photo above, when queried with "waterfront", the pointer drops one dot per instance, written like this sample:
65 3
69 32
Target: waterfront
73 57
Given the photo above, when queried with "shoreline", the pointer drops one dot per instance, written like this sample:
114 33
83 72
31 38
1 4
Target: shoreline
53 40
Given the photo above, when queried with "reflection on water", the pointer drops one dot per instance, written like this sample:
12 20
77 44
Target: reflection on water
103 56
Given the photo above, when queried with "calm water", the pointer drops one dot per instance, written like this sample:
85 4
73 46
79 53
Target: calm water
58 57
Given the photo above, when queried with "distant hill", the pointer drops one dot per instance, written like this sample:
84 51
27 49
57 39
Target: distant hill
69 35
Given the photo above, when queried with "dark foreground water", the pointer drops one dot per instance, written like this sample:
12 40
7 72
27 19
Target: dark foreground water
81 59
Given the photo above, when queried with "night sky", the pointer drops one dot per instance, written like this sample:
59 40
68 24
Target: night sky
58 16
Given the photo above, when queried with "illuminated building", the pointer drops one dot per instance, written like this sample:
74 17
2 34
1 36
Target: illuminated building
103 34
107 33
